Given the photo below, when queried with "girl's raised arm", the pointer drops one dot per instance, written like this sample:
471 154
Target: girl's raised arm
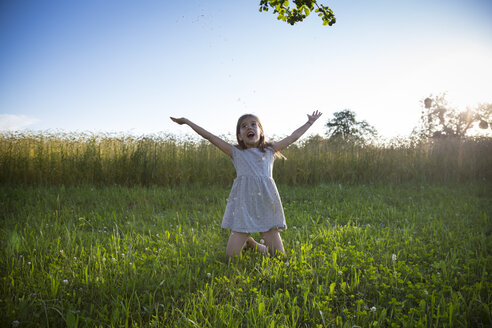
287 141
216 141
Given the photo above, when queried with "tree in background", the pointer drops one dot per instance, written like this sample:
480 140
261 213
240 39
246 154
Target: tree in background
440 120
344 126
301 10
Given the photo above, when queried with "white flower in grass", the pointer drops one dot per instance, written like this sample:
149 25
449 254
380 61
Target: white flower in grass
373 309
75 258
113 259
65 282
104 259
393 257
28 263
15 323
426 292
340 272
287 264
209 274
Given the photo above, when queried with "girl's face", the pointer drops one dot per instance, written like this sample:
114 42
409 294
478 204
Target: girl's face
250 132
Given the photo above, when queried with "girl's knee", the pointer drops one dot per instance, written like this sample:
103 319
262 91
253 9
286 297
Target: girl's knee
236 243
273 241
270 234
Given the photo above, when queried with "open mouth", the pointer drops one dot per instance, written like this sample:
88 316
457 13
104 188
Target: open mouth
250 134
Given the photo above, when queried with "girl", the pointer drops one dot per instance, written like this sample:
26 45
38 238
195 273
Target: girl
254 204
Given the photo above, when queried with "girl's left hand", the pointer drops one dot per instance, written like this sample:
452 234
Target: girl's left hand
312 118
180 120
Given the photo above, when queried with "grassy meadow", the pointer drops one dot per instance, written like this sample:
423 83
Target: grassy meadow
72 159
125 232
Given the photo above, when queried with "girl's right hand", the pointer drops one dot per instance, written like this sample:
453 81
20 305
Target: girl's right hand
312 118
180 120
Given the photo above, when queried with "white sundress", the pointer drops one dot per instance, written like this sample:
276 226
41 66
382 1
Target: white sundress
254 204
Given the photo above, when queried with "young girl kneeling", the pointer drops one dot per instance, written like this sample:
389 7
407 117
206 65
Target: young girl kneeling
254 204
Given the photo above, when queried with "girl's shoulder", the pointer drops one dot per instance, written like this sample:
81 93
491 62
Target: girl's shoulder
236 149
269 148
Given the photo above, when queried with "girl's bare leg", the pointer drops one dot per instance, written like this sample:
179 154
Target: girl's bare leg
236 243
256 245
273 241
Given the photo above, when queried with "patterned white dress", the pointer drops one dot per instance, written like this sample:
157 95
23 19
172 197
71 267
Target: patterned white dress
254 204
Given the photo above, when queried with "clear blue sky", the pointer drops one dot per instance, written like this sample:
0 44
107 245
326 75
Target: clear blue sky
126 66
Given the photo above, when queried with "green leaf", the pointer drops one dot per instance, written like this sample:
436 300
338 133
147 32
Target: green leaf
332 288
261 309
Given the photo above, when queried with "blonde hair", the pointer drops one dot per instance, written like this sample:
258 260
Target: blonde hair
262 144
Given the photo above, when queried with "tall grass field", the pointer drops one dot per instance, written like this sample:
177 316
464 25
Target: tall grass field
71 159
125 232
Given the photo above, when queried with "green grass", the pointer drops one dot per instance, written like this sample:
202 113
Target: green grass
407 255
